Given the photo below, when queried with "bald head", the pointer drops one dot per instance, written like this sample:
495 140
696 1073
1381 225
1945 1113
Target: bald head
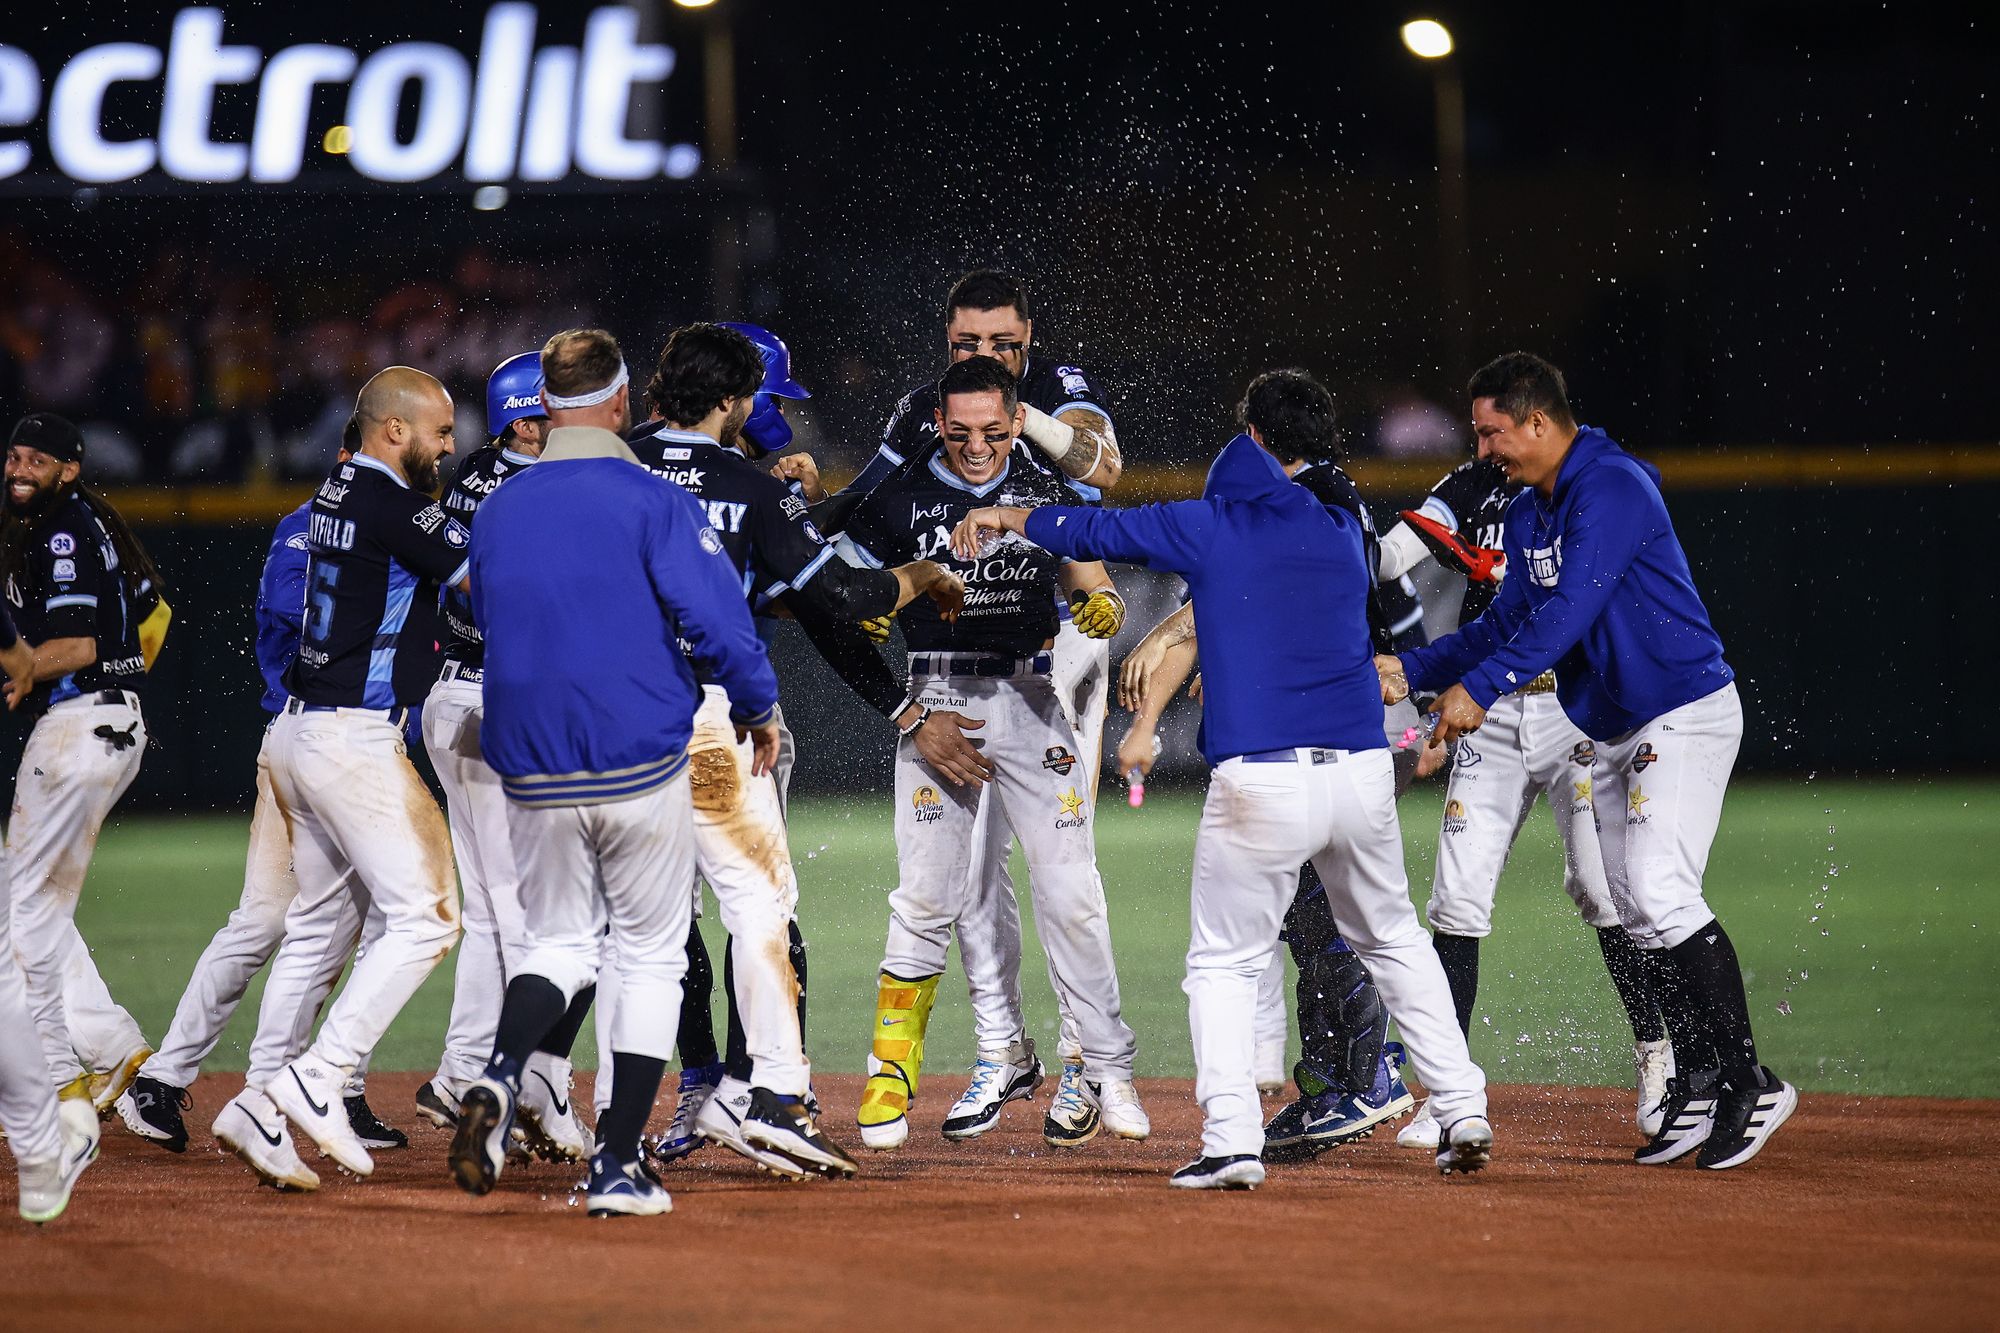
406 422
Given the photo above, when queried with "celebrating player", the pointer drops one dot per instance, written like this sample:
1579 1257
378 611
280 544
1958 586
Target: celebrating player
83 585
1599 590
990 671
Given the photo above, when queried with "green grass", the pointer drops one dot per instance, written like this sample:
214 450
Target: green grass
1867 909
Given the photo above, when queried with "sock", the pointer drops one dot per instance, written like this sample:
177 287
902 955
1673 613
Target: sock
562 1037
1694 1053
736 1060
530 1008
635 1083
1712 979
1626 962
1460 956
696 1039
797 953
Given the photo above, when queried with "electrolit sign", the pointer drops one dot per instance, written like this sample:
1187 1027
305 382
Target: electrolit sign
414 110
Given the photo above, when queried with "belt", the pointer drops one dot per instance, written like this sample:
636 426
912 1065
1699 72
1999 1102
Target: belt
395 717
1542 684
112 697
462 671
990 666
1302 755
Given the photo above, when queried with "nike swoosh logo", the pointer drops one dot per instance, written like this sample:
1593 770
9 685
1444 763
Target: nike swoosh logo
317 1107
891 1022
562 1107
273 1139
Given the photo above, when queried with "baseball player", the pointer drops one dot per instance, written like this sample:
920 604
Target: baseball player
495 933
1069 424
364 827
80 585
53 1141
152 1107
705 395
1292 726
989 672
1599 591
1528 748
587 557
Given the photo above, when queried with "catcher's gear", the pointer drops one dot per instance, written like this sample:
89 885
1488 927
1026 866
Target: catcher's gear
1478 563
1099 615
877 629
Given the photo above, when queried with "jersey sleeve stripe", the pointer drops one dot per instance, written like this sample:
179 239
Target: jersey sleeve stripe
895 459
804 576
1085 405
862 553
72 599
1435 507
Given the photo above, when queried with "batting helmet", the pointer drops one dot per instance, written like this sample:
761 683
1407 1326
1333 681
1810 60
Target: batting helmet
514 392
767 430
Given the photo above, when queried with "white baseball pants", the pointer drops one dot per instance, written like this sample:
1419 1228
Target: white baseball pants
27 1090
68 781
1044 801
1659 793
496 931
1527 747
621 867
363 823
1259 822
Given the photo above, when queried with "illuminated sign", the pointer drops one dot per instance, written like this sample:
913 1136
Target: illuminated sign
414 110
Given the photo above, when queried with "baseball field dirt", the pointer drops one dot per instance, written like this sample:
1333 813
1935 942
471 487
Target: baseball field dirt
1863 1213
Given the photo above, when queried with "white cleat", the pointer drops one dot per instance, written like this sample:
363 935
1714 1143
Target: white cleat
1118 1103
309 1091
546 1116
1468 1146
254 1129
721 1121
1655 1063
46 1186
1006 1076
1422 1131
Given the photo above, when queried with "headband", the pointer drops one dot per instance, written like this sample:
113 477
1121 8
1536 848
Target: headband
558 402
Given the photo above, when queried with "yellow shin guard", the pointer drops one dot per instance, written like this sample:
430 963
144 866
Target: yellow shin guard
902 1012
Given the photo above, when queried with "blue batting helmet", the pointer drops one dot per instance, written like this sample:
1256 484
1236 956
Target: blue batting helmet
514 391
767 430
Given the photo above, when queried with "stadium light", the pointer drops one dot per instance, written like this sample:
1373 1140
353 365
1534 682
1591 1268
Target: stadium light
1427 39
694 4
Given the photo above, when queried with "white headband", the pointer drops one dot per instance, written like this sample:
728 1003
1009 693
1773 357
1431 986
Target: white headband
604 395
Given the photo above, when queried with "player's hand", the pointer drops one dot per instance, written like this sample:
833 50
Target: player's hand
877 629
763 747
942 743
947 591
1139 749
1395 685
1194 688
1135 675
977 531
19 664
802 469
1430 759
1457 714
1098 615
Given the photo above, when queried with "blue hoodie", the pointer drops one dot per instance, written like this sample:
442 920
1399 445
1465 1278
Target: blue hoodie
1598 588
281 605
1280 590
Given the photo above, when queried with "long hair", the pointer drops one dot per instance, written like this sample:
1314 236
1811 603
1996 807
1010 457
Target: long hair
143 583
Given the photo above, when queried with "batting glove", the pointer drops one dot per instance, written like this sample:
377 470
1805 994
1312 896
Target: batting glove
877 629
1099 615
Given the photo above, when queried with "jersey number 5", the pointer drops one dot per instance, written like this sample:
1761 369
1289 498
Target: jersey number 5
319 600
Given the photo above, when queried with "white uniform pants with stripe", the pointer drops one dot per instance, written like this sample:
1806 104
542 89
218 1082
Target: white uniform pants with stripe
1259 822
1527 748
365 829
68 781
1045 803
1659 799
27 1089
496 931
599 880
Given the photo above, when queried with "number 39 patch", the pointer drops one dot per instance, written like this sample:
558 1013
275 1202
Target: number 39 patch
62 544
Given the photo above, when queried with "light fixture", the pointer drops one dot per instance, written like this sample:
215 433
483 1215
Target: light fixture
1427 38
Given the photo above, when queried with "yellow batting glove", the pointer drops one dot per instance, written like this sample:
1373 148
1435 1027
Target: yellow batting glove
877 629
1100 615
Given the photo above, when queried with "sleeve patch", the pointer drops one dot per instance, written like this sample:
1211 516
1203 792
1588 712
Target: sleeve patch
64 571
711 542
457 534
62 544
298 542
430 518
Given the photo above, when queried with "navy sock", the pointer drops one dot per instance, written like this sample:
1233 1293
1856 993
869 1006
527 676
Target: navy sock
696 1039
530 1008
562 1037
1631 977
635 1084
1460 956
1712 980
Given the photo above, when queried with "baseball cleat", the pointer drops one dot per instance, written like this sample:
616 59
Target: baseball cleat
783 1125
309 1092
437 1102
1014 1076
1271 1072
1687 1119
1073 1117
369 1128
620 1189
107 1086
680 1140
46 1186
250 1126
1746 1117
1423 1131
479 1148
152 1110
1118 1104
1240 1171
545 1116
1322 1120
1655 1065
722 1121
1468 1146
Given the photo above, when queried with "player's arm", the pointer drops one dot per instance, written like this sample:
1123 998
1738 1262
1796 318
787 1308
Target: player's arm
431 543
702 596
1174 537
801 472
852 656
804 567
1095 607
282 587
17 659
1079 441
1140 676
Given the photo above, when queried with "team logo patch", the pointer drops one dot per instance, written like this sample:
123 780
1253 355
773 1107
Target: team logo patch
64 571
1072 379
1635 807
793 505
1645 758
455 533
1454 816
1465 756
62 544
927 804
1583 794
297 541
812 532
1072 814
1059 760
430 518
711 542
1583 752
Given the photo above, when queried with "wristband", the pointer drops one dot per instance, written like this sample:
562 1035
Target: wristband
923 716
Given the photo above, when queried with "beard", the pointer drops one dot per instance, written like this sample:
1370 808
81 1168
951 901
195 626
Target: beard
423 472
37 504
732 427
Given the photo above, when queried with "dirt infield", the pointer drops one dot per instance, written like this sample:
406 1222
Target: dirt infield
1863 1213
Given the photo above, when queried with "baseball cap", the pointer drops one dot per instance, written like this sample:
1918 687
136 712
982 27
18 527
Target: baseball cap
55 436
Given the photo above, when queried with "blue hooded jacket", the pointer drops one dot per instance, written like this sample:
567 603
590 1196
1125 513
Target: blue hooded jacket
1598 588
1280 590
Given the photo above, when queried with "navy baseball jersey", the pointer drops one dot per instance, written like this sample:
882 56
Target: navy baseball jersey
1472 500
1010 594
379 554
70 586
1395 614
486 468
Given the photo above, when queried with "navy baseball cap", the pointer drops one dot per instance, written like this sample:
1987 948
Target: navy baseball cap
55 436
